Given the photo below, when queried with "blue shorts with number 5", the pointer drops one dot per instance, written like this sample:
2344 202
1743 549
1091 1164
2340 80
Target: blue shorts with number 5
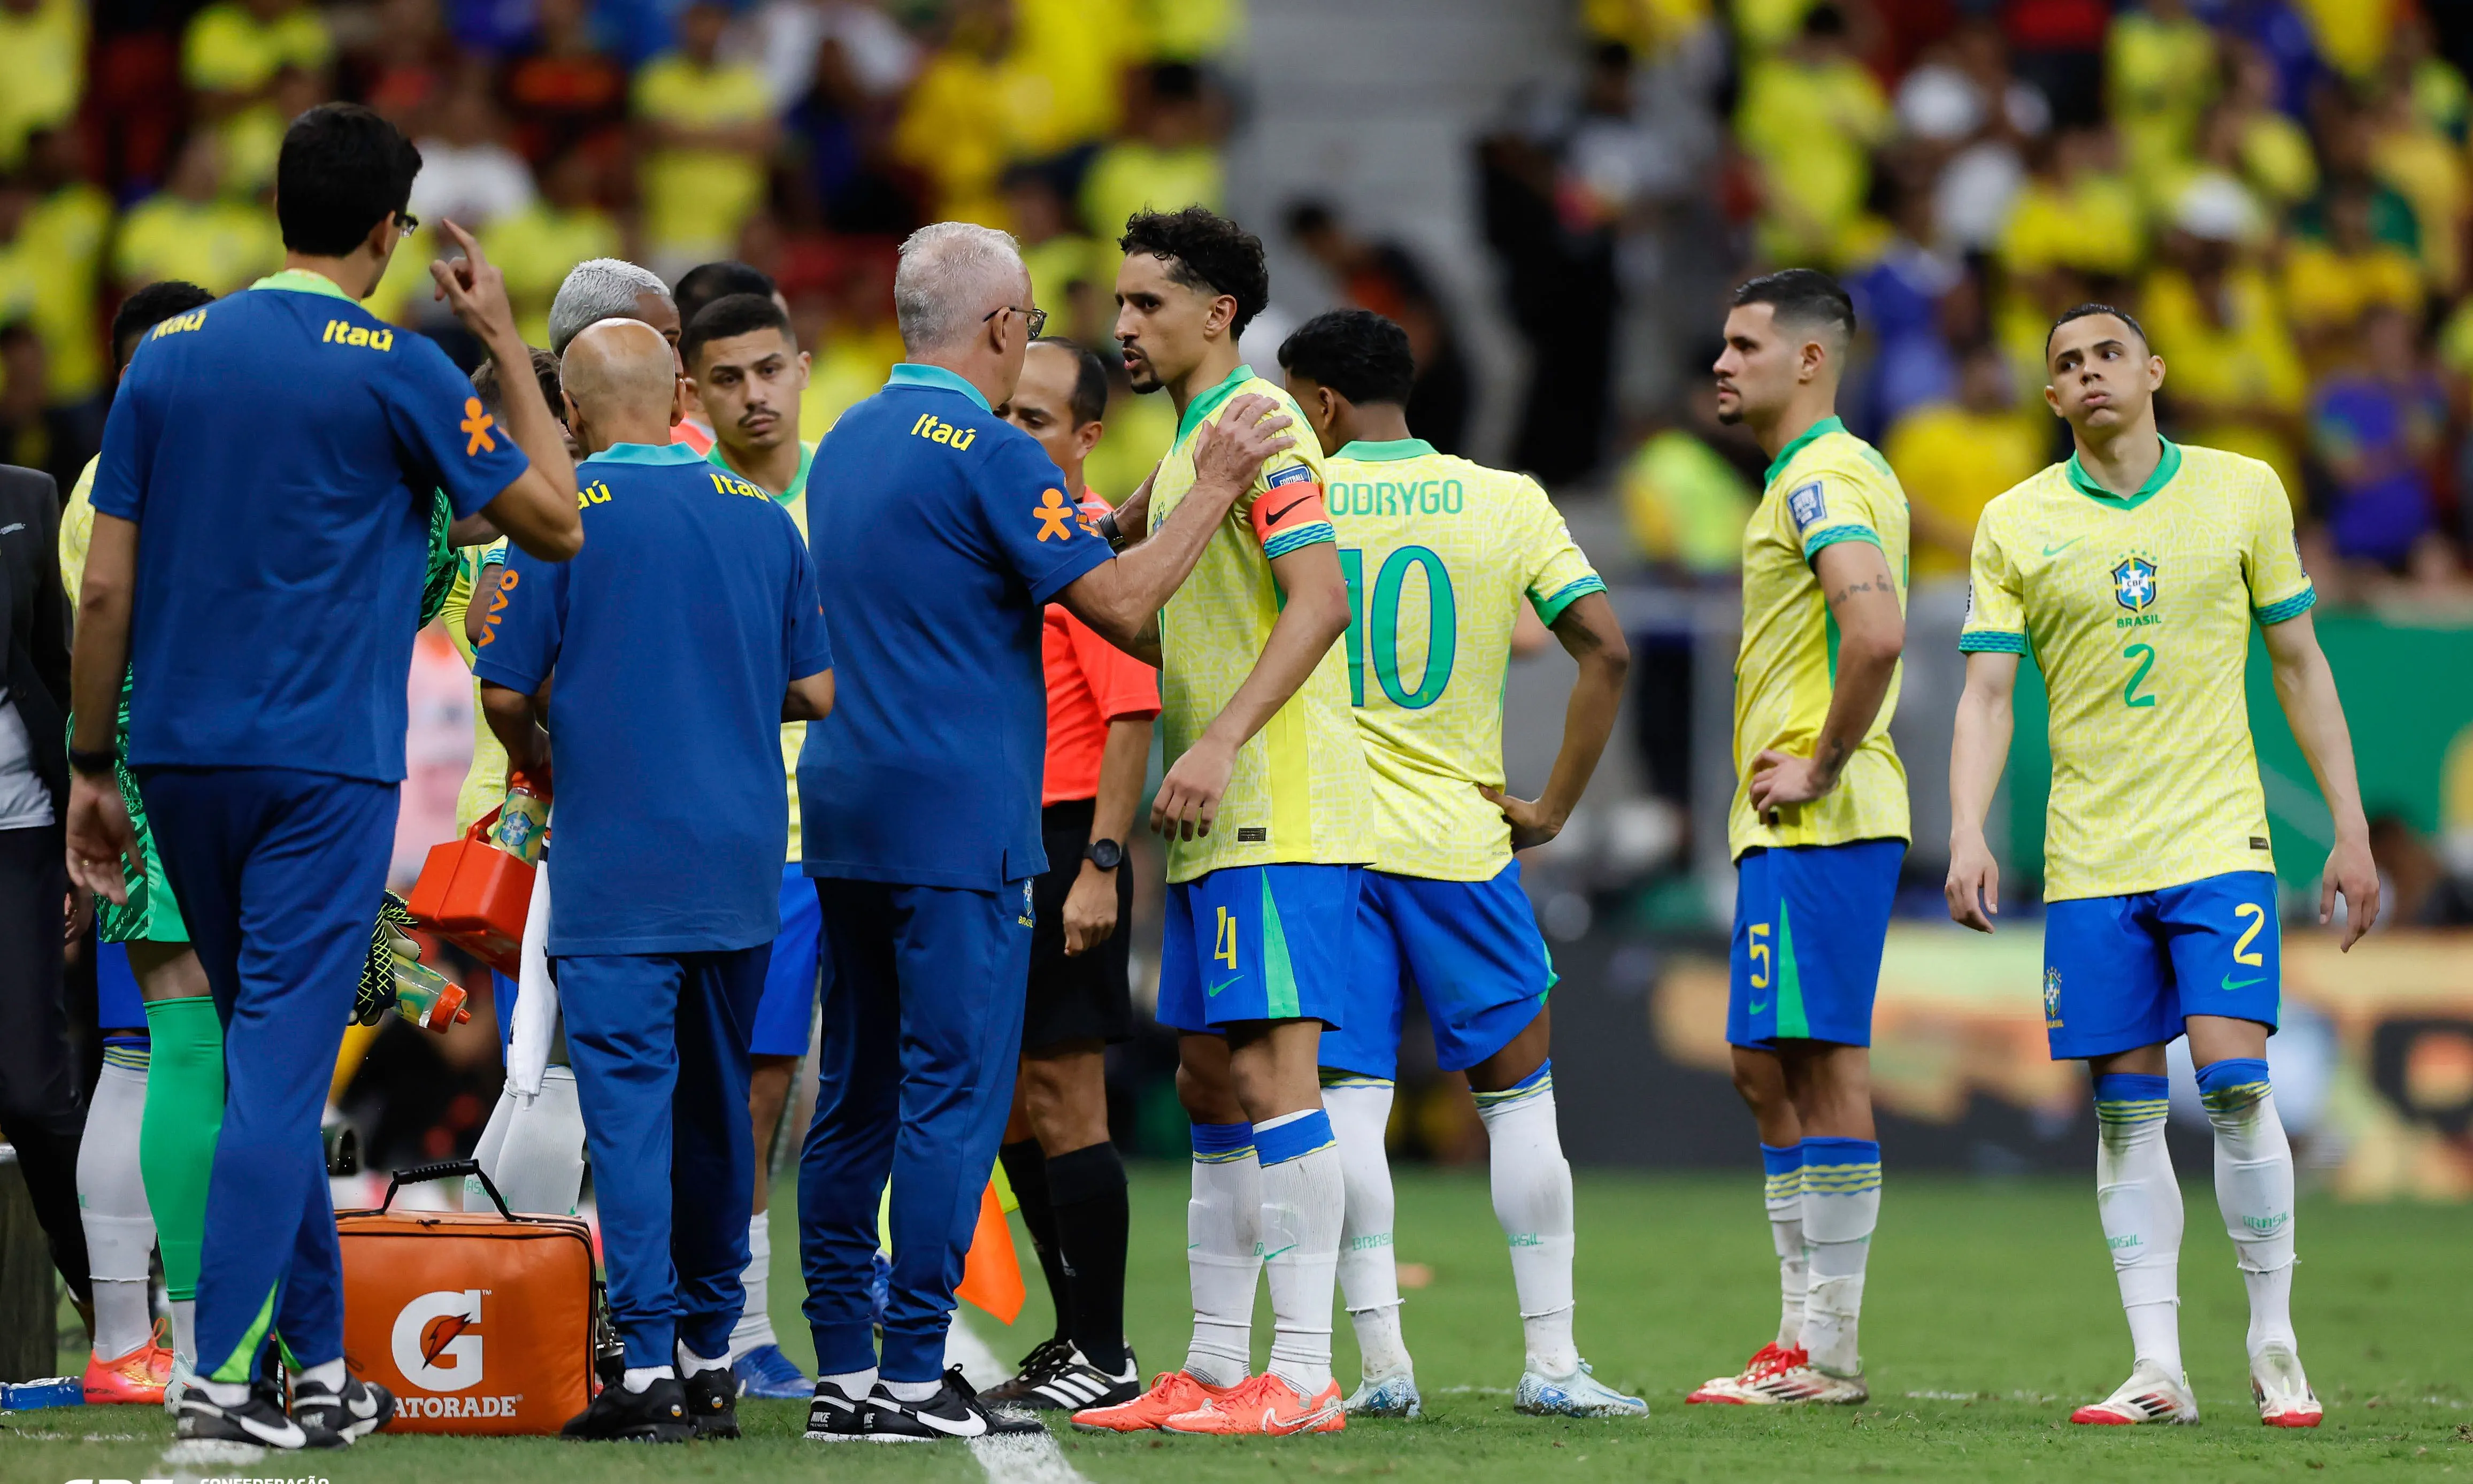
1809 923
2121 972
1258 942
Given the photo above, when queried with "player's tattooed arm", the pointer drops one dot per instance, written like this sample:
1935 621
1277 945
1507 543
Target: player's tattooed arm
1871 634
1977 748
1594 636
2306 688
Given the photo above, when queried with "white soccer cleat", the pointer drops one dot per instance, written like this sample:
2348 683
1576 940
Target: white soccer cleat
1806 1385
1580 1394
2284 1396
1735 1390
178 1386
2149 1396
1390 1396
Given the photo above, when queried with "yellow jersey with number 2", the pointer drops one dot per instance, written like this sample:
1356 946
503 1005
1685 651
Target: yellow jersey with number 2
2137 609
1299 791
1439 553
1828 485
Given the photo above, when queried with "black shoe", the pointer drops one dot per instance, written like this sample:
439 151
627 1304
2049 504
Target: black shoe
1050 1359
1081 1384
834 1417
956 1411
712 1402
333 1418
657 1413
260 1421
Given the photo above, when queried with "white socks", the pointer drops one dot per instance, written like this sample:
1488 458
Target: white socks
540 1165
755 1327
111 1201
1304 1205
1369 1280
2140 1205
1532 1199
1223 1253
2254 1191
1841 1203
1783 1193
640 1378
692 1364
853 1384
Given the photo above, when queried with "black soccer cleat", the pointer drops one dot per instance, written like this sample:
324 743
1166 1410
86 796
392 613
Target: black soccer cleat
657 1413
956 1411
712 1402
1047 1360
835 1416
336 1418
258 1421
1070 1385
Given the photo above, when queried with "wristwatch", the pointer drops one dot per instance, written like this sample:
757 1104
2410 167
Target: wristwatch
1106 855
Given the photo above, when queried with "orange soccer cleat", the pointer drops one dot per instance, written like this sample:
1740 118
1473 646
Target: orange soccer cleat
1264 1406
1172 1393
135 1378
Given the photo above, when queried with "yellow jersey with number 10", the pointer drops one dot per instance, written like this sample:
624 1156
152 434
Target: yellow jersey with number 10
1828 485
2137 609
1299 791
1439 553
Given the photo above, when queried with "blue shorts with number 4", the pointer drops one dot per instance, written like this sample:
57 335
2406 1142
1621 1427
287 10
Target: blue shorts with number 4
2121 972
786 1013
1258 942
1809 923
1472 949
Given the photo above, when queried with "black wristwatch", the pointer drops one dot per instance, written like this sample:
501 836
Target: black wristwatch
1106 855
94 764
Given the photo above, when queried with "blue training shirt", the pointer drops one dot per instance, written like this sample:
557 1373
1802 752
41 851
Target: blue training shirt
278 449
674 636
940 532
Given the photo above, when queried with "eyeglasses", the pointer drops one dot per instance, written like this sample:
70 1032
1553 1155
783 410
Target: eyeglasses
407 222
1036 319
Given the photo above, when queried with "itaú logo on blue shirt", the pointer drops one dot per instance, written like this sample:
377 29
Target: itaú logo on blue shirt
936 430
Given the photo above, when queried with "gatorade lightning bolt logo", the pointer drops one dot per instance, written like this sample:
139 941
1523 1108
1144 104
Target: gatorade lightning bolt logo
431 1341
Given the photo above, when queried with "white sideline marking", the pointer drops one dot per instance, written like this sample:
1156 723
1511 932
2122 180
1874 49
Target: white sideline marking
1014 1460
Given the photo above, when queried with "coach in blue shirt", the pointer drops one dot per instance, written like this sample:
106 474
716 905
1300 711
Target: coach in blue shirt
938 542
260 537
681 638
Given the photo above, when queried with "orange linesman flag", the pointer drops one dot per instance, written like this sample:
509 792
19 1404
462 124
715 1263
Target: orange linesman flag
991 1275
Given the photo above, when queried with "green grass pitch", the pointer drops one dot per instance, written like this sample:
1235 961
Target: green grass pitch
1989 1314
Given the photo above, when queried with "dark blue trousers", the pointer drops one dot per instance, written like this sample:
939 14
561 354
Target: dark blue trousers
278 874
922 1027
659 1043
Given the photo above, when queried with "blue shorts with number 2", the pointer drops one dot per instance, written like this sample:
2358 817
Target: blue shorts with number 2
2121 972
1258 942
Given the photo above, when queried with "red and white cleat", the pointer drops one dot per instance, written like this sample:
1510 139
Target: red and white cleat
2284 1396
135 1378
1807 1385
1735 1390
2149 1396
1172 1392
1264 1406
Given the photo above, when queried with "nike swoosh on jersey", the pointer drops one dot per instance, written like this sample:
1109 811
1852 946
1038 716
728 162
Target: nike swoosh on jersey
1277 516
2054 551
2231 983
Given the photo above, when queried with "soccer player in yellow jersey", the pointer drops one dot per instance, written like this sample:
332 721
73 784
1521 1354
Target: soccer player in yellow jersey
1819 821
1439 553
2132 572
1267 811
744 362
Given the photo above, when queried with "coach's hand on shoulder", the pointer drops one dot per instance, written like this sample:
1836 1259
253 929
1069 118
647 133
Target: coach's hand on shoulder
1530 824
1974 885
2352 874
99 835
1188 797
1229 451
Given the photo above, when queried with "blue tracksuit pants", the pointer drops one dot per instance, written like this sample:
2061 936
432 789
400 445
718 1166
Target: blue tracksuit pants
659 1043
922 1026
278 873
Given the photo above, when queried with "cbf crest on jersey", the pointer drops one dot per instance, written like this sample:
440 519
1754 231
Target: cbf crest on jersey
2133 583
1804 503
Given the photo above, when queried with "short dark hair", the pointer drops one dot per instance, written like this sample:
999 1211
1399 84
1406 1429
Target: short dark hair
149 308
731 315
1356 352
1803 295
1204 250
1175 81
707 282
2088 311
1089 403
494 396
343 170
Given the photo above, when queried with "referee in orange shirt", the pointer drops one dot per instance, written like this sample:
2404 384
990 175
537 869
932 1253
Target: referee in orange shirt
1065 1172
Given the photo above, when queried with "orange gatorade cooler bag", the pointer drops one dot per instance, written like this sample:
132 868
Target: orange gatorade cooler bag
479 1322
476 895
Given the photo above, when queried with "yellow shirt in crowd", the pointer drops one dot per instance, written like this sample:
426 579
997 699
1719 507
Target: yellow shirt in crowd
536 248
221 246
42 72
1952 462
695 201
1812 129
